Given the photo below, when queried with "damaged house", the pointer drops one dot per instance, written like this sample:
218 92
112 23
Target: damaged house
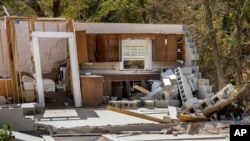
94 64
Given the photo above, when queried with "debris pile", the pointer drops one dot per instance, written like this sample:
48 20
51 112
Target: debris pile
192 95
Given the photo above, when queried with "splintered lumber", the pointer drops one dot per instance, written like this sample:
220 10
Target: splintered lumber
115 109
220 104
143 90
187 117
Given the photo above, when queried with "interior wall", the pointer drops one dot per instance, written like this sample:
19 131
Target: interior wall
4 54
52 50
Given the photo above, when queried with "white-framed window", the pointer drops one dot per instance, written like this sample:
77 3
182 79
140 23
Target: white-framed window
136 54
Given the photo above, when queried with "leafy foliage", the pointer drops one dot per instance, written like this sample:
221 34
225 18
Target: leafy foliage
230 21
6 133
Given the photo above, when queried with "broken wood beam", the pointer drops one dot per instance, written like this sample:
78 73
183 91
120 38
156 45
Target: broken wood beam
141 89
187 117
115 109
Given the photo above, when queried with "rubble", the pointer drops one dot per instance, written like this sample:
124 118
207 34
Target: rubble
179 90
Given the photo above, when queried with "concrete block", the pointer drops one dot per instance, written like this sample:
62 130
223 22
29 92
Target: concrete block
204 91
29 108
186 70
193 84
15 117
166 81
169 74
205 103
195 57
223 93
195 69
166 118
146 98
115 103
188 76
161 103
39 108
197 75
174 102
149 104
19 136
204 82
166 95
130 104
190 102
184 88
219 103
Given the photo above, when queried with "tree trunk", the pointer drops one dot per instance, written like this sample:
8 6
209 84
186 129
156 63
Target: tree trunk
238 48
56 8
36 7
220 83
144 14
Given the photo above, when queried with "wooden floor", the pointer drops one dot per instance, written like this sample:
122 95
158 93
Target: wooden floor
58 99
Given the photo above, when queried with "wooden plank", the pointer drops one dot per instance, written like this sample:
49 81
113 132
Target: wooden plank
5 87
101 55
92 90
11 46
113 48
171 50
145 91
70 25
115 109
81 44
186 118
91 47
160 48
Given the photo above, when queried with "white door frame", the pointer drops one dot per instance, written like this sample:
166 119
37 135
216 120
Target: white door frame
73 63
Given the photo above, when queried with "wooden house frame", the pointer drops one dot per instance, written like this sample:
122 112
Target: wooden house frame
170 48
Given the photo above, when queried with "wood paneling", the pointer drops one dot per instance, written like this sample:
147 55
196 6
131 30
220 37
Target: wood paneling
160 48
100 48
165 51
6 88
171 47
81 43
91 47
107 86
180 47
92 90
11 40
113 48
106 47
117 89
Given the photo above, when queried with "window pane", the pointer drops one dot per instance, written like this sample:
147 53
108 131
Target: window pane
133 64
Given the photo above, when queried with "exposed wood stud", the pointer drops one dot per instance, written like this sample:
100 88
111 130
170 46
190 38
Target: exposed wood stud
10 39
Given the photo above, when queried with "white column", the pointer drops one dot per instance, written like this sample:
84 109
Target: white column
75 71
39 82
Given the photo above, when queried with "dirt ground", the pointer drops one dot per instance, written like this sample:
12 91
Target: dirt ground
58 99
